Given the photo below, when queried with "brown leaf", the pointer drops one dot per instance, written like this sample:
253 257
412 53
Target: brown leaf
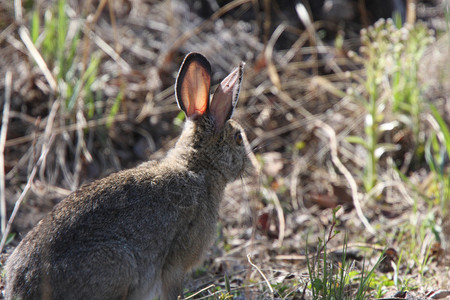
390 258
440 294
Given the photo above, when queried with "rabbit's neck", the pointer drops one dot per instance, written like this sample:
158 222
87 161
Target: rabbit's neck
190 159
191 153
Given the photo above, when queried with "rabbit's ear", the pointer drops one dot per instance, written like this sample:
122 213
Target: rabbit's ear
226 97
193 84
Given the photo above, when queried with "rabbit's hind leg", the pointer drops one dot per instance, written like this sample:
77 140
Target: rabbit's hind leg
172 282
93 271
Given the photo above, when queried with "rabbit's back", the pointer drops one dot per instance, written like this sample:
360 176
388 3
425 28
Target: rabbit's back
116 234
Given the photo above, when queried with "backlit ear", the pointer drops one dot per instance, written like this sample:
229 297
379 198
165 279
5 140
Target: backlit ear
193 84
226 96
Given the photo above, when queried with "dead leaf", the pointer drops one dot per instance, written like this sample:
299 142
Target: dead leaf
273 163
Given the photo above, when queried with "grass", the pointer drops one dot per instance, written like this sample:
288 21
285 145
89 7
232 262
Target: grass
406 200
437 154
391 94
335 279
59 41
393 99
62 43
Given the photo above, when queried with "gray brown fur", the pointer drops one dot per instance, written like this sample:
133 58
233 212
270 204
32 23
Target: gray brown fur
135 233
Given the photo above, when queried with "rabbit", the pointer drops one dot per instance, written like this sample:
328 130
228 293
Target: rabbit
135 234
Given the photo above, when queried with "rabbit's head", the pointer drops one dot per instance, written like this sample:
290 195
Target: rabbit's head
210 140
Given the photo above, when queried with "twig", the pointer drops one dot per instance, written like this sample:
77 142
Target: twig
337 248
281 219
204 289
107 49
25 36
304 16
268 54
112 17
45 148
99 10
91 20
48 132
77 164
298 165
351 181
7 32
91 35
3 133
260 272
411 11
196 30
18 10
69 128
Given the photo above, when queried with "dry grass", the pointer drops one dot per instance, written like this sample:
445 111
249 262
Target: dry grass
295 105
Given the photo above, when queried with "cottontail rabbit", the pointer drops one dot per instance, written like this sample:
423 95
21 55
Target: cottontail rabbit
135 233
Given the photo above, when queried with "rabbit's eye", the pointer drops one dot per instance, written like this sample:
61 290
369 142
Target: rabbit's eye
238 138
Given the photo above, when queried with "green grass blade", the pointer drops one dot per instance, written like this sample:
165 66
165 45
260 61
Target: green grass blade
115 108
357 140
443 126
35 24
61 37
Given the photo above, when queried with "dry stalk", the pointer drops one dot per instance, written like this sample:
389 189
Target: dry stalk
296 47
330 250
351 181
268 53
48 131
99 10
112 16
45 150
91 20
304 16
18 10
411 11
298 166
196 30
80 149
7 32
3 133
69 128
280 215
48 138
25 36
202 290
379 187
293 104
89 35
260 272
107 49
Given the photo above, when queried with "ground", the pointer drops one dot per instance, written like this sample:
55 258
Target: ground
337 118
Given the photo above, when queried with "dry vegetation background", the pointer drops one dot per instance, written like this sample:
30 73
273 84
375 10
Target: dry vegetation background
89 85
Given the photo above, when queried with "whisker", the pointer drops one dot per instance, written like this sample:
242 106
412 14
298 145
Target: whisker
259 146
